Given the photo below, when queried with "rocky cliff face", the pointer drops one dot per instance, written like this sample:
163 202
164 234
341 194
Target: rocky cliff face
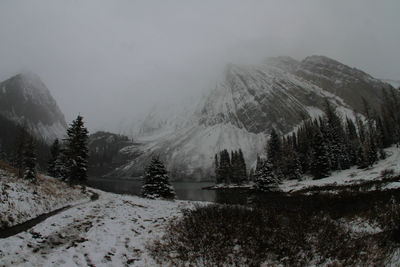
25 99
348 83
243 108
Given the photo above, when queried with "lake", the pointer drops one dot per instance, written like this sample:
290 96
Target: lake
184 190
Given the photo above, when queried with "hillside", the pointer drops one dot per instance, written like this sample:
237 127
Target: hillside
22 200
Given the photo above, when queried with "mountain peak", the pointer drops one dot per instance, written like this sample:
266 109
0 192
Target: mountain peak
320 59
24 98
31 83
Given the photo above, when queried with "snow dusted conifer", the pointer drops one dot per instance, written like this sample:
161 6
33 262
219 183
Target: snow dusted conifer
18 156
156 182
274 150
225 167
320 165
54 155
242 167
76 152
235 168
216 162
29 158
265 177
290 165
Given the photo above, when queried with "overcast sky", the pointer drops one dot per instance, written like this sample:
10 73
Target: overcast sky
111 60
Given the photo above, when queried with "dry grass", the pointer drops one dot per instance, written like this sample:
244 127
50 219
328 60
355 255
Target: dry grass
222 235
7 167
22 200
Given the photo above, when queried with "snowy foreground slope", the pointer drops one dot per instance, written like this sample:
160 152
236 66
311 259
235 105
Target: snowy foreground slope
21 200
111 231
116 230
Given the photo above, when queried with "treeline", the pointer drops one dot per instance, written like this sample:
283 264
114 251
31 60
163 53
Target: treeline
13 139
66 160
69 158
230 168
330 143
104 153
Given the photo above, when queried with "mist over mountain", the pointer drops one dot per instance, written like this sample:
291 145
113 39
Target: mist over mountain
27 101
242 109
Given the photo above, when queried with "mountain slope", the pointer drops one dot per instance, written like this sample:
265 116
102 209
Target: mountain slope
243 108
25 99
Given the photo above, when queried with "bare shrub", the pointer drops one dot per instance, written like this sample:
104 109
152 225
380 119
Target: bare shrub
218 235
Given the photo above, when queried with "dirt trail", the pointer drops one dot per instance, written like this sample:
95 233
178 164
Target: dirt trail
16 229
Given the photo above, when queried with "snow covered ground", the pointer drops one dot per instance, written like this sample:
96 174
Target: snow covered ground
111 231
353 175
22 200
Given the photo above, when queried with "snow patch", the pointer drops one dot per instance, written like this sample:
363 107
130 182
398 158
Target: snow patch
352 175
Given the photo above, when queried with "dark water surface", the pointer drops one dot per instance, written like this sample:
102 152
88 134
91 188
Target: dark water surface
184 190
336 205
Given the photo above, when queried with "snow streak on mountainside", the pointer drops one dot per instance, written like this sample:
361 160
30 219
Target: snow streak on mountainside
25 99
243 108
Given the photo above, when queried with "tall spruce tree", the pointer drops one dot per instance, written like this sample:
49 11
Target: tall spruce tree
352 141
235 168
320 166
274 149
242 167
216 163
18 155
54 156
290 165
156 182
335 137
225 167
76 152
29 158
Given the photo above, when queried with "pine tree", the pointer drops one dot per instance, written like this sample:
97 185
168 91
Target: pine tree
54 155
290 165
216 163
235 172
251 174
352 141
304 145
265 177
30 159
371 150
320 166
361 128
335 138
76 152
225 167
62 163
156 182
18 155
242 167
274 149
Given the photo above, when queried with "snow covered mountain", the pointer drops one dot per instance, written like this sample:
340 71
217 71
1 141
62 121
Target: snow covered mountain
25 99
242 109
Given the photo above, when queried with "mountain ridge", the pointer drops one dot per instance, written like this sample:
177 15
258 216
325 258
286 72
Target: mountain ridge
245 105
